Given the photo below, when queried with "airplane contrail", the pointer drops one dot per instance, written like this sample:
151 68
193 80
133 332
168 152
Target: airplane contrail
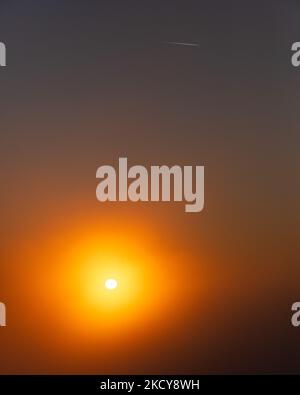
182 43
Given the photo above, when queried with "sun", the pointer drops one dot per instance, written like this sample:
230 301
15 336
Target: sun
111 284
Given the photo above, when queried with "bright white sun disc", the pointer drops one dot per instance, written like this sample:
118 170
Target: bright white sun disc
111 283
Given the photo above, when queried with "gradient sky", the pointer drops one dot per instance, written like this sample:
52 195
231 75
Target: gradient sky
89 82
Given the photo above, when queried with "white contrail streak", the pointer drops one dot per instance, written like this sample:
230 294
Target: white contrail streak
182 43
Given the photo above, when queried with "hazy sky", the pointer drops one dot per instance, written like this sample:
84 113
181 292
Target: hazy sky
88 82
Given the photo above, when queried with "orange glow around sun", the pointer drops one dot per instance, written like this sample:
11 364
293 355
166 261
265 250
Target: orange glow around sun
94 295
110 284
